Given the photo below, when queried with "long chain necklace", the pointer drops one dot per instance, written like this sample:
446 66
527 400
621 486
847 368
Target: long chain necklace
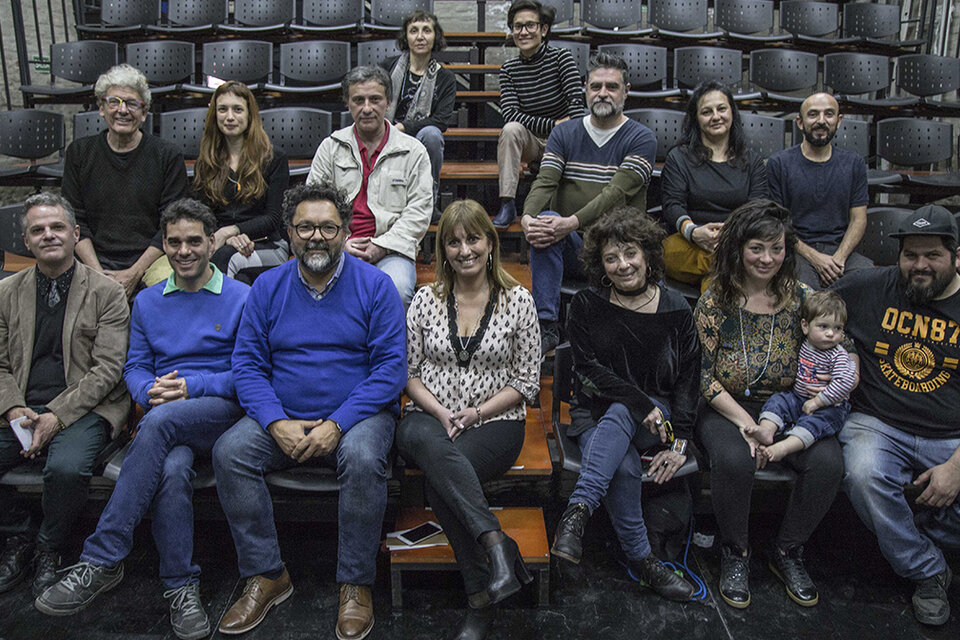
463 354
743 345
653 295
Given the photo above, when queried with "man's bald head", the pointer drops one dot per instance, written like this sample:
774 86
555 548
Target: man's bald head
819 118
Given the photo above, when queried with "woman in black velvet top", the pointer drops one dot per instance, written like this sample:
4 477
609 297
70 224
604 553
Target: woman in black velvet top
708 175
241 177
637 364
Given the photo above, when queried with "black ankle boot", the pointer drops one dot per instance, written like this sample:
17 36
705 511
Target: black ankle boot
661 579
507 570
568 541
475 625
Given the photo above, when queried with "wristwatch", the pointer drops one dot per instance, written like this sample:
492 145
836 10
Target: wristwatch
679 446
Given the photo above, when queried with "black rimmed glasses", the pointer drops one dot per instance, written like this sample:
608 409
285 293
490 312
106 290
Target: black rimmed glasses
133 105
529 27
328 230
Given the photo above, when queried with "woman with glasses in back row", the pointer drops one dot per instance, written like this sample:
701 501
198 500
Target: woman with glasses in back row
241 177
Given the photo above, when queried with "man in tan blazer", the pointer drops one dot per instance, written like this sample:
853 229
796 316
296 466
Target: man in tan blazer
63 341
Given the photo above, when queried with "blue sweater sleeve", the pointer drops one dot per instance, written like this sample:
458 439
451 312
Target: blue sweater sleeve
387 338
251 361
219 384
139 370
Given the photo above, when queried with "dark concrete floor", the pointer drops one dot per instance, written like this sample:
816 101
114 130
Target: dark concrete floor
860 597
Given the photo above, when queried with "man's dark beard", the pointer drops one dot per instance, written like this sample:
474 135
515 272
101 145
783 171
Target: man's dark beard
922 294
819 142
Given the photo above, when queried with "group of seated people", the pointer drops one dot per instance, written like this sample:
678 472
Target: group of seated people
853 386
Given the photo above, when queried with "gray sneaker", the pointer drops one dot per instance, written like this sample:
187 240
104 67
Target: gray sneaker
930 604
187 617
77 589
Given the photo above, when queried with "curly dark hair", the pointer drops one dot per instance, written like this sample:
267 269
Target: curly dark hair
623 225
419 15
758 219
690 136
313 192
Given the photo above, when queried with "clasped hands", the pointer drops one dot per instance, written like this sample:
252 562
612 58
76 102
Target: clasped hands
364 249
543 231
305 439
456 422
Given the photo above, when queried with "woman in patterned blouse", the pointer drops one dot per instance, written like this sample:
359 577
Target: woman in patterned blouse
636 362
749 325
473 345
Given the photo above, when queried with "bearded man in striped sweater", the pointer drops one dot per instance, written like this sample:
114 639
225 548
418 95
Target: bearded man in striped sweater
592 164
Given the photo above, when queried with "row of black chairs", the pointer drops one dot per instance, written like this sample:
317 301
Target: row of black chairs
819 23
780 77
922 144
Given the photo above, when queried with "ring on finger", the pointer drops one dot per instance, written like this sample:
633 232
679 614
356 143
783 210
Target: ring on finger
659 422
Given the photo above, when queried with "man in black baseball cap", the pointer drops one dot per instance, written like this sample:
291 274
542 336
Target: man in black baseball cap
903 433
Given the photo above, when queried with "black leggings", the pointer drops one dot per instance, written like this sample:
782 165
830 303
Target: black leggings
454 471
819 470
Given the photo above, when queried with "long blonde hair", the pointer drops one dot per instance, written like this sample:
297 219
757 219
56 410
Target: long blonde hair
473 218
213 164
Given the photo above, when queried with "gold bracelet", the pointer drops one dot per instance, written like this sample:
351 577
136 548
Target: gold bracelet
60 425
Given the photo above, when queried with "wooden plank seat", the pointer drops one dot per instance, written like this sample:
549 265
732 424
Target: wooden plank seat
464 134
478 96
523 524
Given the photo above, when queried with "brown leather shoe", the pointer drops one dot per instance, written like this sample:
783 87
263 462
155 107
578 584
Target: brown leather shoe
259 595
355 617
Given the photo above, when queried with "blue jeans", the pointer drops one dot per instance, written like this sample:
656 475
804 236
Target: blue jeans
432 139
158 470
880 460
403 272
611 470
548 267
246 452
785 409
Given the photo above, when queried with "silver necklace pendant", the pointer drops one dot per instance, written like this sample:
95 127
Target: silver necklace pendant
464 355
747 392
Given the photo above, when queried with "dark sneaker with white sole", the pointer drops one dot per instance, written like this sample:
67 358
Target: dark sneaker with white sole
788 566
77 589
187 617
930 603
734 577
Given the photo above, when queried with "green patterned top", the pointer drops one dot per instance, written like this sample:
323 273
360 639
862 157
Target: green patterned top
722 367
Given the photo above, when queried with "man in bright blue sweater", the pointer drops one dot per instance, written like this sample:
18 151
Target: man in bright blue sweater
178 369
320 362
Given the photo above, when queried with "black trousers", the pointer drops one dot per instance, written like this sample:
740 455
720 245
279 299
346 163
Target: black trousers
454 470
819 470
66 475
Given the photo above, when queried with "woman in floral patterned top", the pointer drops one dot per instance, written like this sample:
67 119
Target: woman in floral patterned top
749 326
473 346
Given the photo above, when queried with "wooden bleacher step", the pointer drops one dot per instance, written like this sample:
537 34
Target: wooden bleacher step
523 524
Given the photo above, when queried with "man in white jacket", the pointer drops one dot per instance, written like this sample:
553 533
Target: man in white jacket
386 174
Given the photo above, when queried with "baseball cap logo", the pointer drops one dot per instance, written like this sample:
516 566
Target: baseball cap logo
920 223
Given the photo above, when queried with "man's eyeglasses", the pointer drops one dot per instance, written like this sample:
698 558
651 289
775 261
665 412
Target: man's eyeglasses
133 105
328 230
529 27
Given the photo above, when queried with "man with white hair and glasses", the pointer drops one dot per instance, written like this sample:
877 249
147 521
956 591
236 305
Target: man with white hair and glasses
119 181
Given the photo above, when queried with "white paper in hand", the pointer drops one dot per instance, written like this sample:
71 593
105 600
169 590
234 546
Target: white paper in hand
24 434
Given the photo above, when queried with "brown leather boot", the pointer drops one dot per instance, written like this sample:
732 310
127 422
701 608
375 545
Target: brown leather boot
355 617
259 595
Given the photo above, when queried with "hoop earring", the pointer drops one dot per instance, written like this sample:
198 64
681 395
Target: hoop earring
606 281
490 261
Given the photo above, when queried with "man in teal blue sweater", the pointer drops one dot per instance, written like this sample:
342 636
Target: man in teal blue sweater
178 369
319 365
